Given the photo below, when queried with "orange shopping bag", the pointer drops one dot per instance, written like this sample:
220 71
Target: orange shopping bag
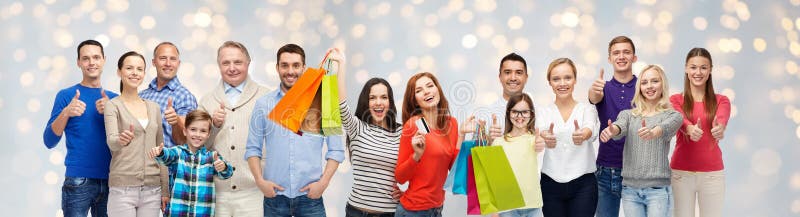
291 110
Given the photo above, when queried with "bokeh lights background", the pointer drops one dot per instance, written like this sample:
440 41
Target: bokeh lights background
755 46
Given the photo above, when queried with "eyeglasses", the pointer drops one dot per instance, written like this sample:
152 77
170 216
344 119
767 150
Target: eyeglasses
521 113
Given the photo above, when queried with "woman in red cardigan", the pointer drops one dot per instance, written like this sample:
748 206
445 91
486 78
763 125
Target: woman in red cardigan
425 158
697 170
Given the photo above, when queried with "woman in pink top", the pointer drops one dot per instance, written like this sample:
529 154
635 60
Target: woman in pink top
697 170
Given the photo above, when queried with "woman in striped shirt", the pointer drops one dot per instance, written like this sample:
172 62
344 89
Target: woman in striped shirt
373 138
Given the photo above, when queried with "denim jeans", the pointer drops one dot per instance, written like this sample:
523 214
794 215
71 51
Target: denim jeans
647 202
300 206
80 195
576 198
351 211
402 212
532 212
609 187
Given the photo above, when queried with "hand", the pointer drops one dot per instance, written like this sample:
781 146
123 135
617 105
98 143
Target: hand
549 137
647 133
164 201
495 131
156 151
219 165
314 190
169 113
596 90
100 104
396 193
75 106
268 188
126 136
418 144
467 126
695 132
336 56
578 135
610 131
538 146
718 130
219 116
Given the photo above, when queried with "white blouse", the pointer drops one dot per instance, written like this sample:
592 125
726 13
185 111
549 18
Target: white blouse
568 161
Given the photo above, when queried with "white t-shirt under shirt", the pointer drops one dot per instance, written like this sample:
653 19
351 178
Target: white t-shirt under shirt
568 161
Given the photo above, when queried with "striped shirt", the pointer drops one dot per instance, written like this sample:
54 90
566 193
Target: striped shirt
193 192
373 154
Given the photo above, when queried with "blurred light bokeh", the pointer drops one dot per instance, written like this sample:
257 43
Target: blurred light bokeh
755 48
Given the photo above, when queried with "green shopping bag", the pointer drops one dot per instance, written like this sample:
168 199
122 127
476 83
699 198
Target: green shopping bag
497 186
331 116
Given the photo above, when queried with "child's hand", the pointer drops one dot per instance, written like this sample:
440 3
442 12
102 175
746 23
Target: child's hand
538 146
219 165
156 151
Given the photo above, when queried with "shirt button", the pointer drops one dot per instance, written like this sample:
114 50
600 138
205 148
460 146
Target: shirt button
233 109
234 187
231 127
234 168
233 147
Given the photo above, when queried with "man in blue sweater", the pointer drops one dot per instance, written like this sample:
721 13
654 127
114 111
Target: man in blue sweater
86 183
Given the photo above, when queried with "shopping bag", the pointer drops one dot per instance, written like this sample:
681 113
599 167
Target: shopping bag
331 116
460 172
523 160
291 110
495 182
473 205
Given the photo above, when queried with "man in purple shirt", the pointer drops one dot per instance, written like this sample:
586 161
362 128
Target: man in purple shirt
611 97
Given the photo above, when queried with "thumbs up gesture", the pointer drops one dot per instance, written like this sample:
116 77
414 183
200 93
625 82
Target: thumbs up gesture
100 104
75 106
717 130
169 113
539 145
495 131
219 165
156 151
695 132
596 91
578 136
549 137
126 136
219 116
610 131
648 133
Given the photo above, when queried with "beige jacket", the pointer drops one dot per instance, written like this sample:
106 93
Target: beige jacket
130 165
231 138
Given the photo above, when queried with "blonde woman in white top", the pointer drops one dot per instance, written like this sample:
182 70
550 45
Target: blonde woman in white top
568 127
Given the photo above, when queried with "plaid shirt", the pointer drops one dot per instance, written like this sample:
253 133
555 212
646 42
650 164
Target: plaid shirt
182 100
193 192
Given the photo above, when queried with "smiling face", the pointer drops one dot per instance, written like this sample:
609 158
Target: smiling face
520 115
166 61
426 93
698 70
197 132
513 77
290 67
622 57
651 86
233 65
91 61
378 103
132 72
562 80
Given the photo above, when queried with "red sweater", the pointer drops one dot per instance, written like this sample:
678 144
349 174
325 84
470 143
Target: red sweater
703 155
426 177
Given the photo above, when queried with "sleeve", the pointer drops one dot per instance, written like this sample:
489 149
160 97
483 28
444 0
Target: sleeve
671 123
160 134
406 166
50 138
590 120
169 156
723 113
677 103
623 120
453 141
352 125
164 177
335 148
186 104
257 132
227 173
111 115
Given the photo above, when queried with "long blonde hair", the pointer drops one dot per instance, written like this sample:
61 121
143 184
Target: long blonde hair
638 103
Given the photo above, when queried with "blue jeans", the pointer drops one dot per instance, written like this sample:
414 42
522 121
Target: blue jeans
80 195
532 212
647 202
351 211
299 206
402 212
576 198
609 191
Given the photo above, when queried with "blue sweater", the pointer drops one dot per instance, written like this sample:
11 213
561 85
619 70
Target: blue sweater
87 152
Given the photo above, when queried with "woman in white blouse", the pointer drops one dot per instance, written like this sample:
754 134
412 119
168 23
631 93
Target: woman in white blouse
568 127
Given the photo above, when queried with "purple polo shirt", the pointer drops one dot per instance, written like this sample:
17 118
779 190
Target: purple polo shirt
616 97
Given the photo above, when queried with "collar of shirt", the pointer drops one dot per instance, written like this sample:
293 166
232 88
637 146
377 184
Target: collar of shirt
185 147
238 89
171 85
631 83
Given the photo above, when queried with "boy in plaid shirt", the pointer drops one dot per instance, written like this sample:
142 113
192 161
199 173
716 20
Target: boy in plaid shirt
193 192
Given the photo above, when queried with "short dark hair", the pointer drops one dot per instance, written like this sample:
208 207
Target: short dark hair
90 42
165 43
513 57
292 48
621 39
198 115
